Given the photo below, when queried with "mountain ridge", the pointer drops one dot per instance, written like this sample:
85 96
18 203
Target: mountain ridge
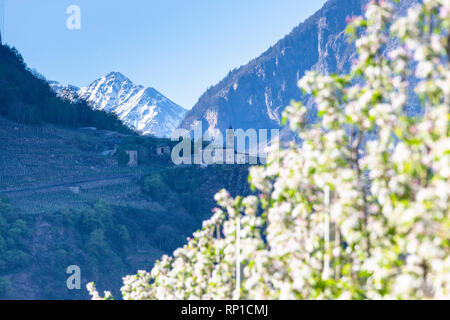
254 95
143 109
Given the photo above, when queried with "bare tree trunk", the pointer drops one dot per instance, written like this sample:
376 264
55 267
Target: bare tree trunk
448 47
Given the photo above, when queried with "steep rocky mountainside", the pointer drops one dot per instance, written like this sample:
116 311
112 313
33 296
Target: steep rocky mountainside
142 109
255 95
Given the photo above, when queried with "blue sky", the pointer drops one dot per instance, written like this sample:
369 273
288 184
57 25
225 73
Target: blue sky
179 47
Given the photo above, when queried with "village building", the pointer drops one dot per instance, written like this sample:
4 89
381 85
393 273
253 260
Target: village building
162 150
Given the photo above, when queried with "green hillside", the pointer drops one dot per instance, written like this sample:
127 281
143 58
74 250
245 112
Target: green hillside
64 200
27 98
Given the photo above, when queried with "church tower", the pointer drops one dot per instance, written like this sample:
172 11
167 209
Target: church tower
230 147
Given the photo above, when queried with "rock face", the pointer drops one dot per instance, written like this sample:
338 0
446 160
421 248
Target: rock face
142 109
255 95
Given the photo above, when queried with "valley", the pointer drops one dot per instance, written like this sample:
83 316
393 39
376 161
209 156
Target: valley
86 177
79 187
78 206
111 184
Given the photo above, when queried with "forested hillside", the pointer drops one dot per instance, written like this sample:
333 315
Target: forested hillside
26 97
120 219
65 201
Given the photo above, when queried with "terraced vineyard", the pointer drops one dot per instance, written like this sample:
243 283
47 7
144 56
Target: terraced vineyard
76 206
41 166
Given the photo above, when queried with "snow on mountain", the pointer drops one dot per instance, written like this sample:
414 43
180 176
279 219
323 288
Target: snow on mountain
143 109
66 92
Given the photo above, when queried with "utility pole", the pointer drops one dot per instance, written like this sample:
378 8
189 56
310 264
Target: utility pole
2 21
326 235
237 293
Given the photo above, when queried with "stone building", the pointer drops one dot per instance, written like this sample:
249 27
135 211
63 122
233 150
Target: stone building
163 150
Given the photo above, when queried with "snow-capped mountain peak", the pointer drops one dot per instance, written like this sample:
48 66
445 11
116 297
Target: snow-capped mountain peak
143 109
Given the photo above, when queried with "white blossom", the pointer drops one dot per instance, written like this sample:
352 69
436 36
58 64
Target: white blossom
375 178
